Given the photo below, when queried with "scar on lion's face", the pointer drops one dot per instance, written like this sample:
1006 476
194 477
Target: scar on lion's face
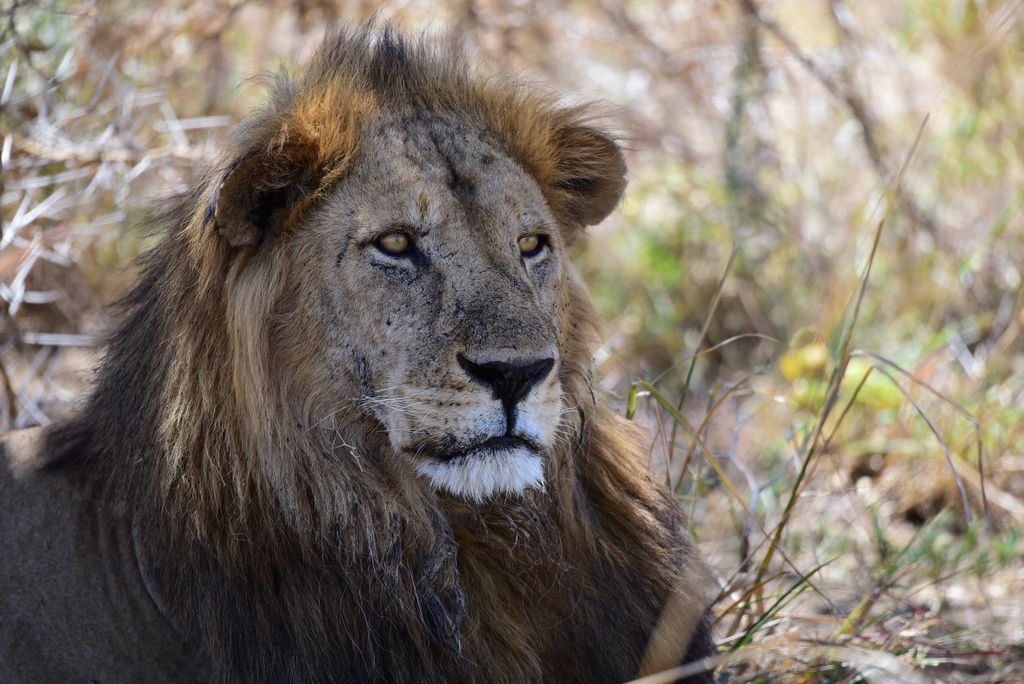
448 266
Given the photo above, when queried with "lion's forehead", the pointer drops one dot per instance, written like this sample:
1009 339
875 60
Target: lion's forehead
428 172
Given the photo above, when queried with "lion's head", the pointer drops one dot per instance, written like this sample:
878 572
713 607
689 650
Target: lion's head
439 270
428 212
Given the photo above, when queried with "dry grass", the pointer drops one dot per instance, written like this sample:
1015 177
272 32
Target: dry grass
815 296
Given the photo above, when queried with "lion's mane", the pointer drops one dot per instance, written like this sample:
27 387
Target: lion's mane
275 530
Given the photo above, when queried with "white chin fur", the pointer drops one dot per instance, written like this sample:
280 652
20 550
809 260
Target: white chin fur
476 477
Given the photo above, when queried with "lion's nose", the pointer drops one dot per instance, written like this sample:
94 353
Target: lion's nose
509 381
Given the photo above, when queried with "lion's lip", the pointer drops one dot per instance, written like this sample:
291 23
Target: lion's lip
500 443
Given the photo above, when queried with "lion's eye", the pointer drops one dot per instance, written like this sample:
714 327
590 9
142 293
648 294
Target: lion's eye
394 243
531 245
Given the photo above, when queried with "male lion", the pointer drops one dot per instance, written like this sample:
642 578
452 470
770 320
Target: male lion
346 429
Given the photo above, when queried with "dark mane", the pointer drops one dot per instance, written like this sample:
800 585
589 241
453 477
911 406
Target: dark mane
326 570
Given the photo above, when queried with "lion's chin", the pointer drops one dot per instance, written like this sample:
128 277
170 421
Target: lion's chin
483 474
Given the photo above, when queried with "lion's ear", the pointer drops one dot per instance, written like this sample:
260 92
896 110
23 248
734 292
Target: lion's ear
258 191
590 174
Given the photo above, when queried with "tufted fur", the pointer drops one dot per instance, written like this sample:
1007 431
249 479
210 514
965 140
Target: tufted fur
239 441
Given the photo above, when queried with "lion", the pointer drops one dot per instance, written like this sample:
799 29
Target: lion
346 426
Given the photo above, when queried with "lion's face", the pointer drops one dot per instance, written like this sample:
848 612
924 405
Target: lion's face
441 275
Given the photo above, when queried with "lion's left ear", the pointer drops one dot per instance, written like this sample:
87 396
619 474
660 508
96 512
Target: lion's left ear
259 190
589 175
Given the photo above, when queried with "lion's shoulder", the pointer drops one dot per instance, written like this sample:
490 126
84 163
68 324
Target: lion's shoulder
73 602
23 451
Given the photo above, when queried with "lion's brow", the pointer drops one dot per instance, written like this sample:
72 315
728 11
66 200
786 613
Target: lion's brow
461 187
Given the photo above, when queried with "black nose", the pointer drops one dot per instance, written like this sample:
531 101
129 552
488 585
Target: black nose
510 381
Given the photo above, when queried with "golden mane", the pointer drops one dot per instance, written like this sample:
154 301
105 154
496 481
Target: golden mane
202 413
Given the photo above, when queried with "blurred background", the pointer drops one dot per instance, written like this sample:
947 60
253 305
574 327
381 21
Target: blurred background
812 289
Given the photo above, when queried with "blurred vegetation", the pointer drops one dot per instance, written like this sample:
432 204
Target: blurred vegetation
766 142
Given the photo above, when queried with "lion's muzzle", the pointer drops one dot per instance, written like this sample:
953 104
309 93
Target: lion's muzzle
494 435
510 382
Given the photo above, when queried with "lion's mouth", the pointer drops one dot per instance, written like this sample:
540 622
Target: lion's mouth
507 464
494 444
500 465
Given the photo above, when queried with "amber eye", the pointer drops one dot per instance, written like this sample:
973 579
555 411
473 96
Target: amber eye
394 243
531 245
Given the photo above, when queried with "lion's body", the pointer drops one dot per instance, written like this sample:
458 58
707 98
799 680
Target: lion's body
74 607
309 459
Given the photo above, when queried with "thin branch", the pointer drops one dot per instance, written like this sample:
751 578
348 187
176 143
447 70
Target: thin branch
845 92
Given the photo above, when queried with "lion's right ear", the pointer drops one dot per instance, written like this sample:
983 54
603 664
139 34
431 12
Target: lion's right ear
258 192
590 174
